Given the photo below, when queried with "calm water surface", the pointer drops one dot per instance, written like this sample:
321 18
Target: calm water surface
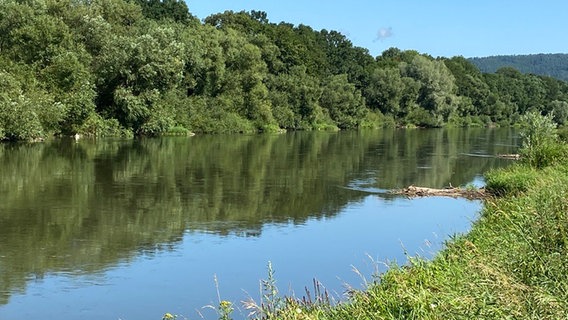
134 229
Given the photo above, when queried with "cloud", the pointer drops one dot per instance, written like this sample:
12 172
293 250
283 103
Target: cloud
384 33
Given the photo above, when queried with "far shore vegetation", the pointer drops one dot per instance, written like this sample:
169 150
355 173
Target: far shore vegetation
149 67
513 264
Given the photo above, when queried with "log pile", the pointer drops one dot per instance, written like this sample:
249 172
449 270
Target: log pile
512 156
468 193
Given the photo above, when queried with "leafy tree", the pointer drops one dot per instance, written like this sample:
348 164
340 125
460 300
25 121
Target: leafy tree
134 72
540 146
175 10
437 86
344 58
121 15
30 35
22 111
205 67
343 101
243 83
470 84
385 91
295 99
559 111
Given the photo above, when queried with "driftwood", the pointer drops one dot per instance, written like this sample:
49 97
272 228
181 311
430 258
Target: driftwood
511 156
468 193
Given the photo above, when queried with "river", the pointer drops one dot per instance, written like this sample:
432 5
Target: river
132 229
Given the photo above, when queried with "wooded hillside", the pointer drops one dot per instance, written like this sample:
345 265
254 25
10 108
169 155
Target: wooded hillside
552 65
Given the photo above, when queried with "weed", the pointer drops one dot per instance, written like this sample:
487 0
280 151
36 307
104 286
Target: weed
270 302
224 308
540 143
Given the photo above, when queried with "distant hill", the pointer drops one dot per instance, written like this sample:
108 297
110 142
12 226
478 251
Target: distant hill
552 65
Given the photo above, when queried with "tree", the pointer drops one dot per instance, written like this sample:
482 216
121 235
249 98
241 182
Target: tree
175 10
540 146
470 84
295 99
437 86
343 101
133 73
344 58
21 111
385 90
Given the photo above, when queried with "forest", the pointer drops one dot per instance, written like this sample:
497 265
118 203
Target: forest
547 64
149 67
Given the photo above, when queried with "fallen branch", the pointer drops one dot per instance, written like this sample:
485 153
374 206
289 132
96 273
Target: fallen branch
468 193
511 156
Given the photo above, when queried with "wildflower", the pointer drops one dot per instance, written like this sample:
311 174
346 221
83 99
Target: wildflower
168 316
225 309
225 304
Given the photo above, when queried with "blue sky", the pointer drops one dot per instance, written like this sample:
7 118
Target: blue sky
436 27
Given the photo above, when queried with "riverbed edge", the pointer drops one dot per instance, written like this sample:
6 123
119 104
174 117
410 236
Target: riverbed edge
512 264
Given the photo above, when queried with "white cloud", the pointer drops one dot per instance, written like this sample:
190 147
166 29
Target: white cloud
384 33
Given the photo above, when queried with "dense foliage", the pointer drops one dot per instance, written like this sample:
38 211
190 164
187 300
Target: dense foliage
123 67
546 64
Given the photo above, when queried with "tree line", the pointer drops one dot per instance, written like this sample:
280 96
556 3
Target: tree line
149 67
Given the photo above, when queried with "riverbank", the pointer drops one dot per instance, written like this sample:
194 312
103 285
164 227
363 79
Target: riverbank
513 263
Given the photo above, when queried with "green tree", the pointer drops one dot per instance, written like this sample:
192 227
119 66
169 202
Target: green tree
175 10
385 91
133 73
344 58
295 99
343 102
22 111
540 146
470 84
437 87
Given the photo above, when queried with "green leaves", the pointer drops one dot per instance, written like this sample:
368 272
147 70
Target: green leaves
344 103
20 111
540 147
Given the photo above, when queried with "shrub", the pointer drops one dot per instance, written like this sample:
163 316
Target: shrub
510 181
540 144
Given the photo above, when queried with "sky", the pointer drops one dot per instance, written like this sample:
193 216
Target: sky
444 28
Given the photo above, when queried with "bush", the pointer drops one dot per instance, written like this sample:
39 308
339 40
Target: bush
510 181
96 126
562 133
540 144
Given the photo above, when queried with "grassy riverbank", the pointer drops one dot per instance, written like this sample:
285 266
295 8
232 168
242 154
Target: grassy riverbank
512 265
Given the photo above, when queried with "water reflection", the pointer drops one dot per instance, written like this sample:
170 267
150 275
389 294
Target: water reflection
83 208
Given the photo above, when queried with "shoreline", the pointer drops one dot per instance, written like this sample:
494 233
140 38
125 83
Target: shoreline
512 263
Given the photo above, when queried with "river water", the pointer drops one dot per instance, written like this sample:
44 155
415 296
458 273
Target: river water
132 229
